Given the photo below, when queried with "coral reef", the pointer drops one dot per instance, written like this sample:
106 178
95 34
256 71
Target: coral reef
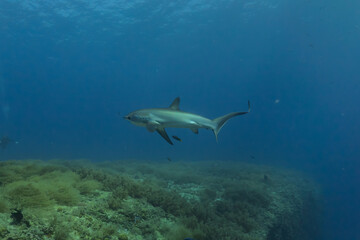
138 200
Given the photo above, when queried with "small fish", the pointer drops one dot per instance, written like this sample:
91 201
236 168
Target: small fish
169 159
177 138
4 141
252 157
266 179
137 219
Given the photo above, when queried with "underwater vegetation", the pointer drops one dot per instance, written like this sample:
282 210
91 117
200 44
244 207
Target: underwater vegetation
152 200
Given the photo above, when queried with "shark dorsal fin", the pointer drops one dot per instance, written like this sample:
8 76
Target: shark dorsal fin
175 104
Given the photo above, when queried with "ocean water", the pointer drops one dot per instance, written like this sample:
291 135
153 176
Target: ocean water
69 71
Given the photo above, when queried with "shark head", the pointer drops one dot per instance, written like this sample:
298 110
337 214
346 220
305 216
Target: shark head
138 118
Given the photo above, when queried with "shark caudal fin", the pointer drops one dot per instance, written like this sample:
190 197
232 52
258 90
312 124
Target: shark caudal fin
220 121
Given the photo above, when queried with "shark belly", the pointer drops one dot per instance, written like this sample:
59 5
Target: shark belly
178 119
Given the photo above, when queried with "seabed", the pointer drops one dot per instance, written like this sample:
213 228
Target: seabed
135 200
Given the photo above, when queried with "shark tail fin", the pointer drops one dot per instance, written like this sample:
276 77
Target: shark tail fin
220 121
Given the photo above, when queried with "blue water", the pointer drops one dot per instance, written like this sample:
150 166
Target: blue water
70 69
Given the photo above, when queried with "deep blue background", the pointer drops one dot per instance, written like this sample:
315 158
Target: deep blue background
69 71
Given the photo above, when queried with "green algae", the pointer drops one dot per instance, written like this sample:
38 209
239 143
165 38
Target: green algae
88 187
25 194
132 200
4 205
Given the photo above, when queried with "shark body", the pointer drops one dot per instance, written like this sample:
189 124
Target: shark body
157 119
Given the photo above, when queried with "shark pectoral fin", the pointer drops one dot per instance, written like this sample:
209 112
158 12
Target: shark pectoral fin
152 126
163 133
195 130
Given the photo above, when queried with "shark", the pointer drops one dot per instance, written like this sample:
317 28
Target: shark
157 119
